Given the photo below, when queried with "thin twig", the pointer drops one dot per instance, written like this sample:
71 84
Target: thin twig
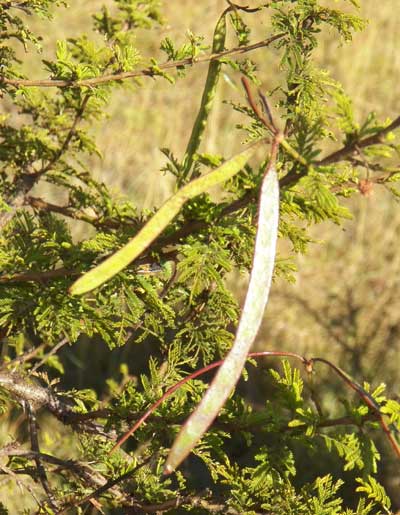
103 488
366 398
33 432
58 273
26 356
21 484
268 111
345 153
78 468
86 473
54 350
183 381
43 205
199 501
149 72
23 277
71 132
268 123
24 182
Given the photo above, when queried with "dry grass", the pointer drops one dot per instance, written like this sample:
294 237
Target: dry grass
157 114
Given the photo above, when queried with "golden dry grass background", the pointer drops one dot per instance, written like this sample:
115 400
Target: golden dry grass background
158 114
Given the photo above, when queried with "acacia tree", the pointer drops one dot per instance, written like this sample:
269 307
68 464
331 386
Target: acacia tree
171 294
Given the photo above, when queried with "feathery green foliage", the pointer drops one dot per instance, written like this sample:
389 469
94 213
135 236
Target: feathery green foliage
169 311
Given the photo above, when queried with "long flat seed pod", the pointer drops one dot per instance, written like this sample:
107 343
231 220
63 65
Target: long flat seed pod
160 221
250 320
208 95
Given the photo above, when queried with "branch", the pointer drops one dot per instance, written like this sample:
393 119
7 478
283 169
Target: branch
23 5
105 486
366 398
43 205
149 72
24 182
25 391
347 150
323 423
24 277
13 3
79 468
78 117
339 155
58 273
195 226
21 484
346 421
136 507
33 431
88 474
23 358
199 501
53 351
344 153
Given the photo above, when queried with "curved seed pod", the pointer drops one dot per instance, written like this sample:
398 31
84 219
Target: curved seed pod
252 313
208 95
159 222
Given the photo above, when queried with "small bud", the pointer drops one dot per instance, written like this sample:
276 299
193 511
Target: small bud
365 187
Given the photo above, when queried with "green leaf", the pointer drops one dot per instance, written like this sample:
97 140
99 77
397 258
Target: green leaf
374 491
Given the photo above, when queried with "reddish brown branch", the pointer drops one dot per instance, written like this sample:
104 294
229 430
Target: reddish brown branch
366 398
267 122
308 363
